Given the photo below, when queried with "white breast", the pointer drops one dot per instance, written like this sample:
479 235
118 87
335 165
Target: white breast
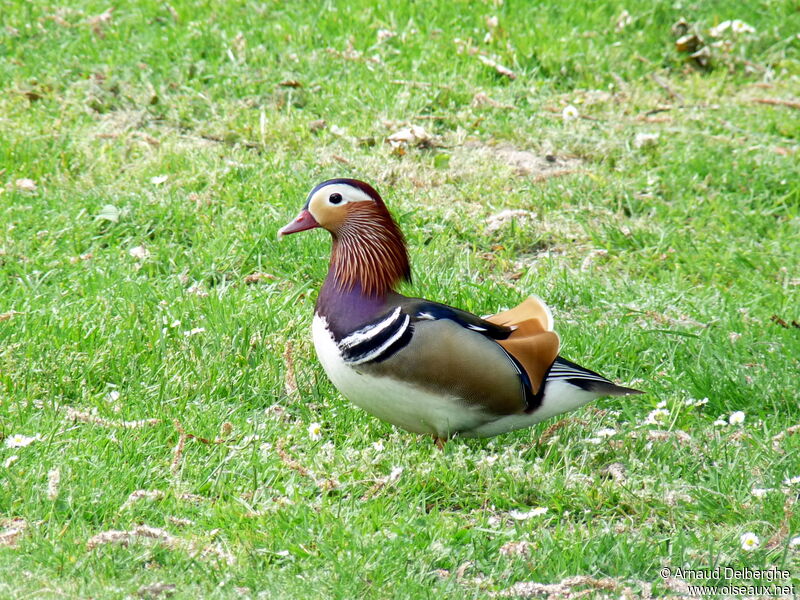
397 402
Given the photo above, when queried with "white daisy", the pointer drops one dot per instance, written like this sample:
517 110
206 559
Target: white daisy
736 418
739 27
20 441
656 417
749 541
760 492
519 515
607 432
794 542
569 113
315 432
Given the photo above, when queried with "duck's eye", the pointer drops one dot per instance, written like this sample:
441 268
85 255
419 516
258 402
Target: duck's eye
335 198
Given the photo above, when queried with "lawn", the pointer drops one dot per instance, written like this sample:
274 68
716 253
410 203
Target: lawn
166 428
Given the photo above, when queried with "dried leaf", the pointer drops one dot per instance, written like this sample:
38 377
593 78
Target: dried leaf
258 277
482 99
517 549
85 417
504 217
778 102
154 590
289 380
777 439
615 471
413 135
11 531
98 22
141 495
530 589
497 67
139 252
688 43
25 185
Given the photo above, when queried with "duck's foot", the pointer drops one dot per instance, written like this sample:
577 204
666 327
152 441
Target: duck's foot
439 442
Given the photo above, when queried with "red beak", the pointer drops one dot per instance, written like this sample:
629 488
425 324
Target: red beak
303 221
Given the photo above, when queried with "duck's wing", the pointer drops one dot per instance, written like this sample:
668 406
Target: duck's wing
499 361
532 342
586 379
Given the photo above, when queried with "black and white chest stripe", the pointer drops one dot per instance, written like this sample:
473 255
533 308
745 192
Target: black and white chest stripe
378 340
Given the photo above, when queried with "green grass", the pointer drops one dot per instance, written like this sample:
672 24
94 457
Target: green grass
664 265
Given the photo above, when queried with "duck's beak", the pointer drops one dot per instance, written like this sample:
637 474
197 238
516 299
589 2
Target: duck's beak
303 221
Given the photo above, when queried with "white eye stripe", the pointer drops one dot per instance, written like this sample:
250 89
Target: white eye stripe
348 193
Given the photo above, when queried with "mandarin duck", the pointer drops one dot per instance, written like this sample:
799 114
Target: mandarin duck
423 366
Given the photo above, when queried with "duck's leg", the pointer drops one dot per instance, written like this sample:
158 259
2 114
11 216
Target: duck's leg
439 442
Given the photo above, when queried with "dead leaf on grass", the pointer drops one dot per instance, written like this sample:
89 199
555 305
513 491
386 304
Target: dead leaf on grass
688 43
160 537
413 135
504 217
24 184
778 539
662 436
323 484
505 71
258 277
11 531
483 99
517 549
289 380
615 471
137 495
98 22
777 439
385 34
74 414
154 590
409 83
564 589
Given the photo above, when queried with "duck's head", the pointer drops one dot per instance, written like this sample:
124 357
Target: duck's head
337 205
368 246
